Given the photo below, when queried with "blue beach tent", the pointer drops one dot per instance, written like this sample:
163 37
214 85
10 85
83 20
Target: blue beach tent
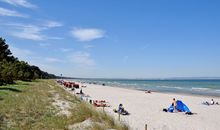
180 106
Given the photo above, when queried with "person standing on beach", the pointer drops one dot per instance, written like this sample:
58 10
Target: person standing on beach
212 102
81 92
174 105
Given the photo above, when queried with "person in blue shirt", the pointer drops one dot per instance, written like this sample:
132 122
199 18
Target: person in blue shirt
120 108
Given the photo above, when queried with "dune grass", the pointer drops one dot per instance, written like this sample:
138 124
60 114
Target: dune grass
28 105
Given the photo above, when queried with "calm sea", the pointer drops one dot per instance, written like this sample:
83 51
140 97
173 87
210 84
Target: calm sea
201 87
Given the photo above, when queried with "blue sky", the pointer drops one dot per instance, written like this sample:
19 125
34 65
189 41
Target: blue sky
115 39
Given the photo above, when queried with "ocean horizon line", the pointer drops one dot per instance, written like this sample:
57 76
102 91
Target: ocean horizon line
168 78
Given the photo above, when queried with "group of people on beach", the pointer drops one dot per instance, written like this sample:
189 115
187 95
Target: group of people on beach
176 105
96 103
179 106
212 102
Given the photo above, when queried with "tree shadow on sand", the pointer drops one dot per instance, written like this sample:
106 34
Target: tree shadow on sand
10 89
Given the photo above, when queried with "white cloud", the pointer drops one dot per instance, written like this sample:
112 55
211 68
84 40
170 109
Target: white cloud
55 38
82 59
52 24
87 34
7 12
23 3
49 59
31 32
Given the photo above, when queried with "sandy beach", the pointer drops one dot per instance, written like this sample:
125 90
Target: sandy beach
145 108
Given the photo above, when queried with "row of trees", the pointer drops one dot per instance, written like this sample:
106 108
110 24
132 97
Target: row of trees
12 69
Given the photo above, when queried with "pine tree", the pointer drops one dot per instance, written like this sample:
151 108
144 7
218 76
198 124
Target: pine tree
5 53
12 69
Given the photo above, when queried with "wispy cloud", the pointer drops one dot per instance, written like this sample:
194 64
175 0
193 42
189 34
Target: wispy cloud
31 32
54 38
52 24
81 58
52 60
23 3
87 34
7 12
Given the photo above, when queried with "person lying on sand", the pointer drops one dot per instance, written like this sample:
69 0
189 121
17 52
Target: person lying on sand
83 86
147 91
100 103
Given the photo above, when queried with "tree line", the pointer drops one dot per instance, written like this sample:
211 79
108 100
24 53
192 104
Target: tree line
11 68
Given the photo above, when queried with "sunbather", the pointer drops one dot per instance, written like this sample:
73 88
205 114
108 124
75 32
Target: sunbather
101 103
147 91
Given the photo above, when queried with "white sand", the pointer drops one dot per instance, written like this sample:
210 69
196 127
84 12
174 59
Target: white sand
147 109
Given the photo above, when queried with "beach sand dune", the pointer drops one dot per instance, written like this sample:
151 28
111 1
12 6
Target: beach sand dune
147 109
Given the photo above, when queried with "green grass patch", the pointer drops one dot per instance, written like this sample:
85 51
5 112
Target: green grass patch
28 106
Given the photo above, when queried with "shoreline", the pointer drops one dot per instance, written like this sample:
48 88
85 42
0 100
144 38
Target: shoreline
147 108
194 87
157 91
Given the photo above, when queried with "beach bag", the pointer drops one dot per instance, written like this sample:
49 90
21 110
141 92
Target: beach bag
171 108
165 110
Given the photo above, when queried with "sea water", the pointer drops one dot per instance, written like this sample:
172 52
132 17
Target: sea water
210 87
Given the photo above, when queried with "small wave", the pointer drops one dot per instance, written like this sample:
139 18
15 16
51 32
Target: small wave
178 87
170 87
164 87
218 90
200 89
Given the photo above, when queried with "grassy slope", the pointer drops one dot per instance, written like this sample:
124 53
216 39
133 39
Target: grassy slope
28 105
